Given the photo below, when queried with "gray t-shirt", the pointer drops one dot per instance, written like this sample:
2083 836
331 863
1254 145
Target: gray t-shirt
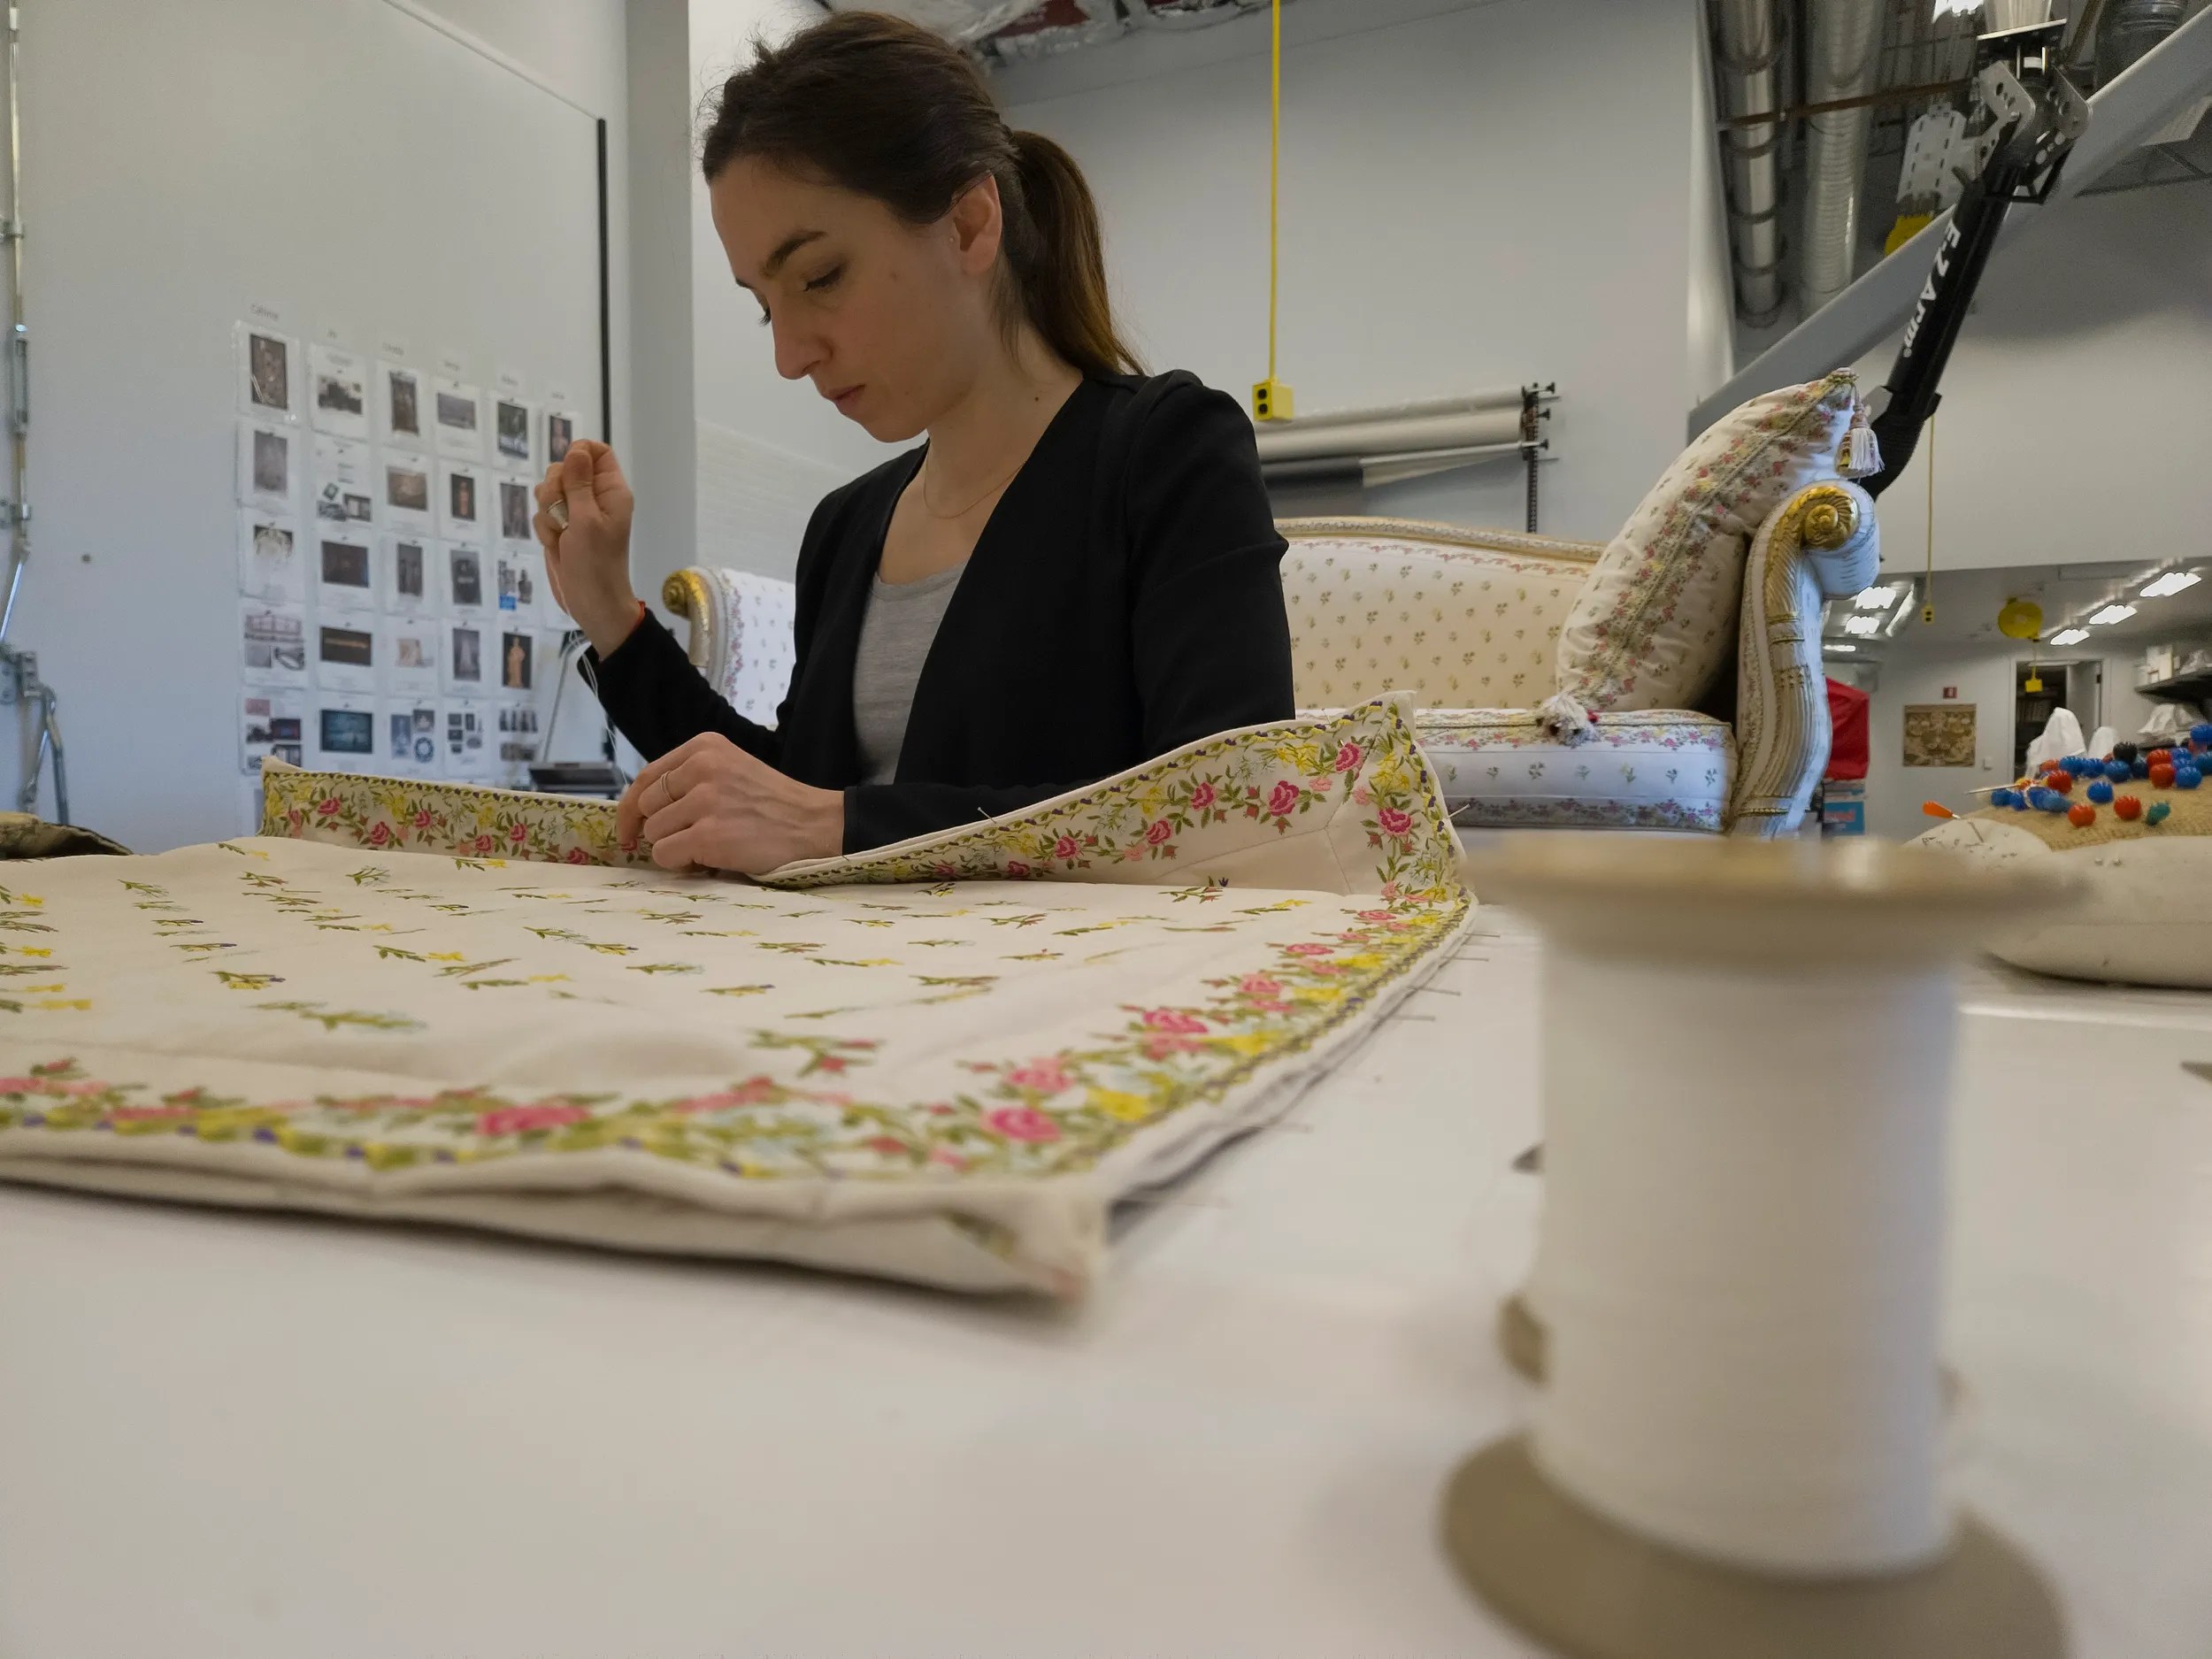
895 638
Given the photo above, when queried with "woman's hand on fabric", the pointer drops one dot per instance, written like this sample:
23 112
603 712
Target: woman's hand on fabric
709 805
587 561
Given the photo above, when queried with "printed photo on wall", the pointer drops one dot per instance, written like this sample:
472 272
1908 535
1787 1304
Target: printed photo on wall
265 466
407 567
271 723
273 643
560 432
464 578
407 492
515 651
518 581
1939 734
345 572
460 501
518 734
344 730
464 657
270 561
411 737
339 382
345 658
467 753
410 651
517 504
458 408
511 420
264 373
403 418
345 481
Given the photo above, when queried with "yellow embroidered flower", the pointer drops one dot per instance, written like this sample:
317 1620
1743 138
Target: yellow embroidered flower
1247 1043
1119 1105
1319 993
60 1002
1364 959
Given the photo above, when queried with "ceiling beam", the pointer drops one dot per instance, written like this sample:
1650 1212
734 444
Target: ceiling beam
2139 101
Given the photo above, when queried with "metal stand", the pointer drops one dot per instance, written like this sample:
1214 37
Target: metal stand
1533 414
19 681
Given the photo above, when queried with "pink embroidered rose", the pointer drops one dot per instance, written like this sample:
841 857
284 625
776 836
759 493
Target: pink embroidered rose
1362 795
1022 1123
1284 797
1392 821
1159 1045
1372 916
1259 985
518 834
1347 757
1173 1019
18 1085
483 844
512 1120
577 855
329 808
950 1159
1016 870
294 817
1308 949
1066 848
890 1146
378 834
1159 831
1201 798
1390 890
1044 1075
1270 1005
422 818
148 1114
1129 853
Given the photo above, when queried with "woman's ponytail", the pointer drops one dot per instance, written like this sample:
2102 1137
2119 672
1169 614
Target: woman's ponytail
1062 269
879 105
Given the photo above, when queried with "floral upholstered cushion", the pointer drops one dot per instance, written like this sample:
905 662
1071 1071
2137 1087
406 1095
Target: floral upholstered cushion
1664 770
1653 628
746 647
951 1081
1340 803
1460 626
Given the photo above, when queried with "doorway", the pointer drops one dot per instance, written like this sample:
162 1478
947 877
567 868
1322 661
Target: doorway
2079 686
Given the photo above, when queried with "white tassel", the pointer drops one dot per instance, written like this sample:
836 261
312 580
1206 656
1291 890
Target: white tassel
1565 718
1859 455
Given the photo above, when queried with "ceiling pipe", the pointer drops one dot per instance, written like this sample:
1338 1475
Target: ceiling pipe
1746 55
1842 42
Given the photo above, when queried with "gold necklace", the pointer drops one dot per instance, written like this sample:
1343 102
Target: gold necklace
949 517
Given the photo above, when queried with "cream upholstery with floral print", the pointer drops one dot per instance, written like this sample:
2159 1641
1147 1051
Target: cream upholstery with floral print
1661 769
1463 618
741 634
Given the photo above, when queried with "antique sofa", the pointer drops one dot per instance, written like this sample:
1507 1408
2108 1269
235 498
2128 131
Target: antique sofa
1469 621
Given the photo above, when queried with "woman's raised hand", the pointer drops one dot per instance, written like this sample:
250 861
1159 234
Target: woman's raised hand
587 558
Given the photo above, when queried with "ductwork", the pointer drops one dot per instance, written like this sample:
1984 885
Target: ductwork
1843 38
1747 47
2130 27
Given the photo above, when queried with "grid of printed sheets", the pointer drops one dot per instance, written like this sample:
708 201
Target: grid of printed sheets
393 614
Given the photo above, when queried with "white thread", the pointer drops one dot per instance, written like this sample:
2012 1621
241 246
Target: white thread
1738 1273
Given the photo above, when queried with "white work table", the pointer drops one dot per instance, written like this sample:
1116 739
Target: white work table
239 1436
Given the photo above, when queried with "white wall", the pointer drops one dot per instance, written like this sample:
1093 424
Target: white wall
737 386
1472 200
345 160
1985 674
2076 422
660 458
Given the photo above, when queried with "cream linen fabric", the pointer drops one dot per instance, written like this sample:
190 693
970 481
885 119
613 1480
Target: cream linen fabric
948 1080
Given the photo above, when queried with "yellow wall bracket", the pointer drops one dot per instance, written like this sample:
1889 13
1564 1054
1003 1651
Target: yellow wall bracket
1271 401
1271 398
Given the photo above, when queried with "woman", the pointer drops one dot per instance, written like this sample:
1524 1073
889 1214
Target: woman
1076 572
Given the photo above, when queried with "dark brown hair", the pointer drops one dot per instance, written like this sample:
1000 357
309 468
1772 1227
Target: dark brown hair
881 107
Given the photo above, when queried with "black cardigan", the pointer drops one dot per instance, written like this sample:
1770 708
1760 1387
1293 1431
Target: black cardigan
1124 598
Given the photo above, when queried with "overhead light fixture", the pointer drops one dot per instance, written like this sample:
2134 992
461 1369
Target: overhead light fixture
1836 648
1865 627
1876 598
1945 8
2171 582
2111 614
2070 636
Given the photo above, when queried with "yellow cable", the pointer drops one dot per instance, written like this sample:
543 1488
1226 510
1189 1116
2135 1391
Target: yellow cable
1927 594
1274 184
